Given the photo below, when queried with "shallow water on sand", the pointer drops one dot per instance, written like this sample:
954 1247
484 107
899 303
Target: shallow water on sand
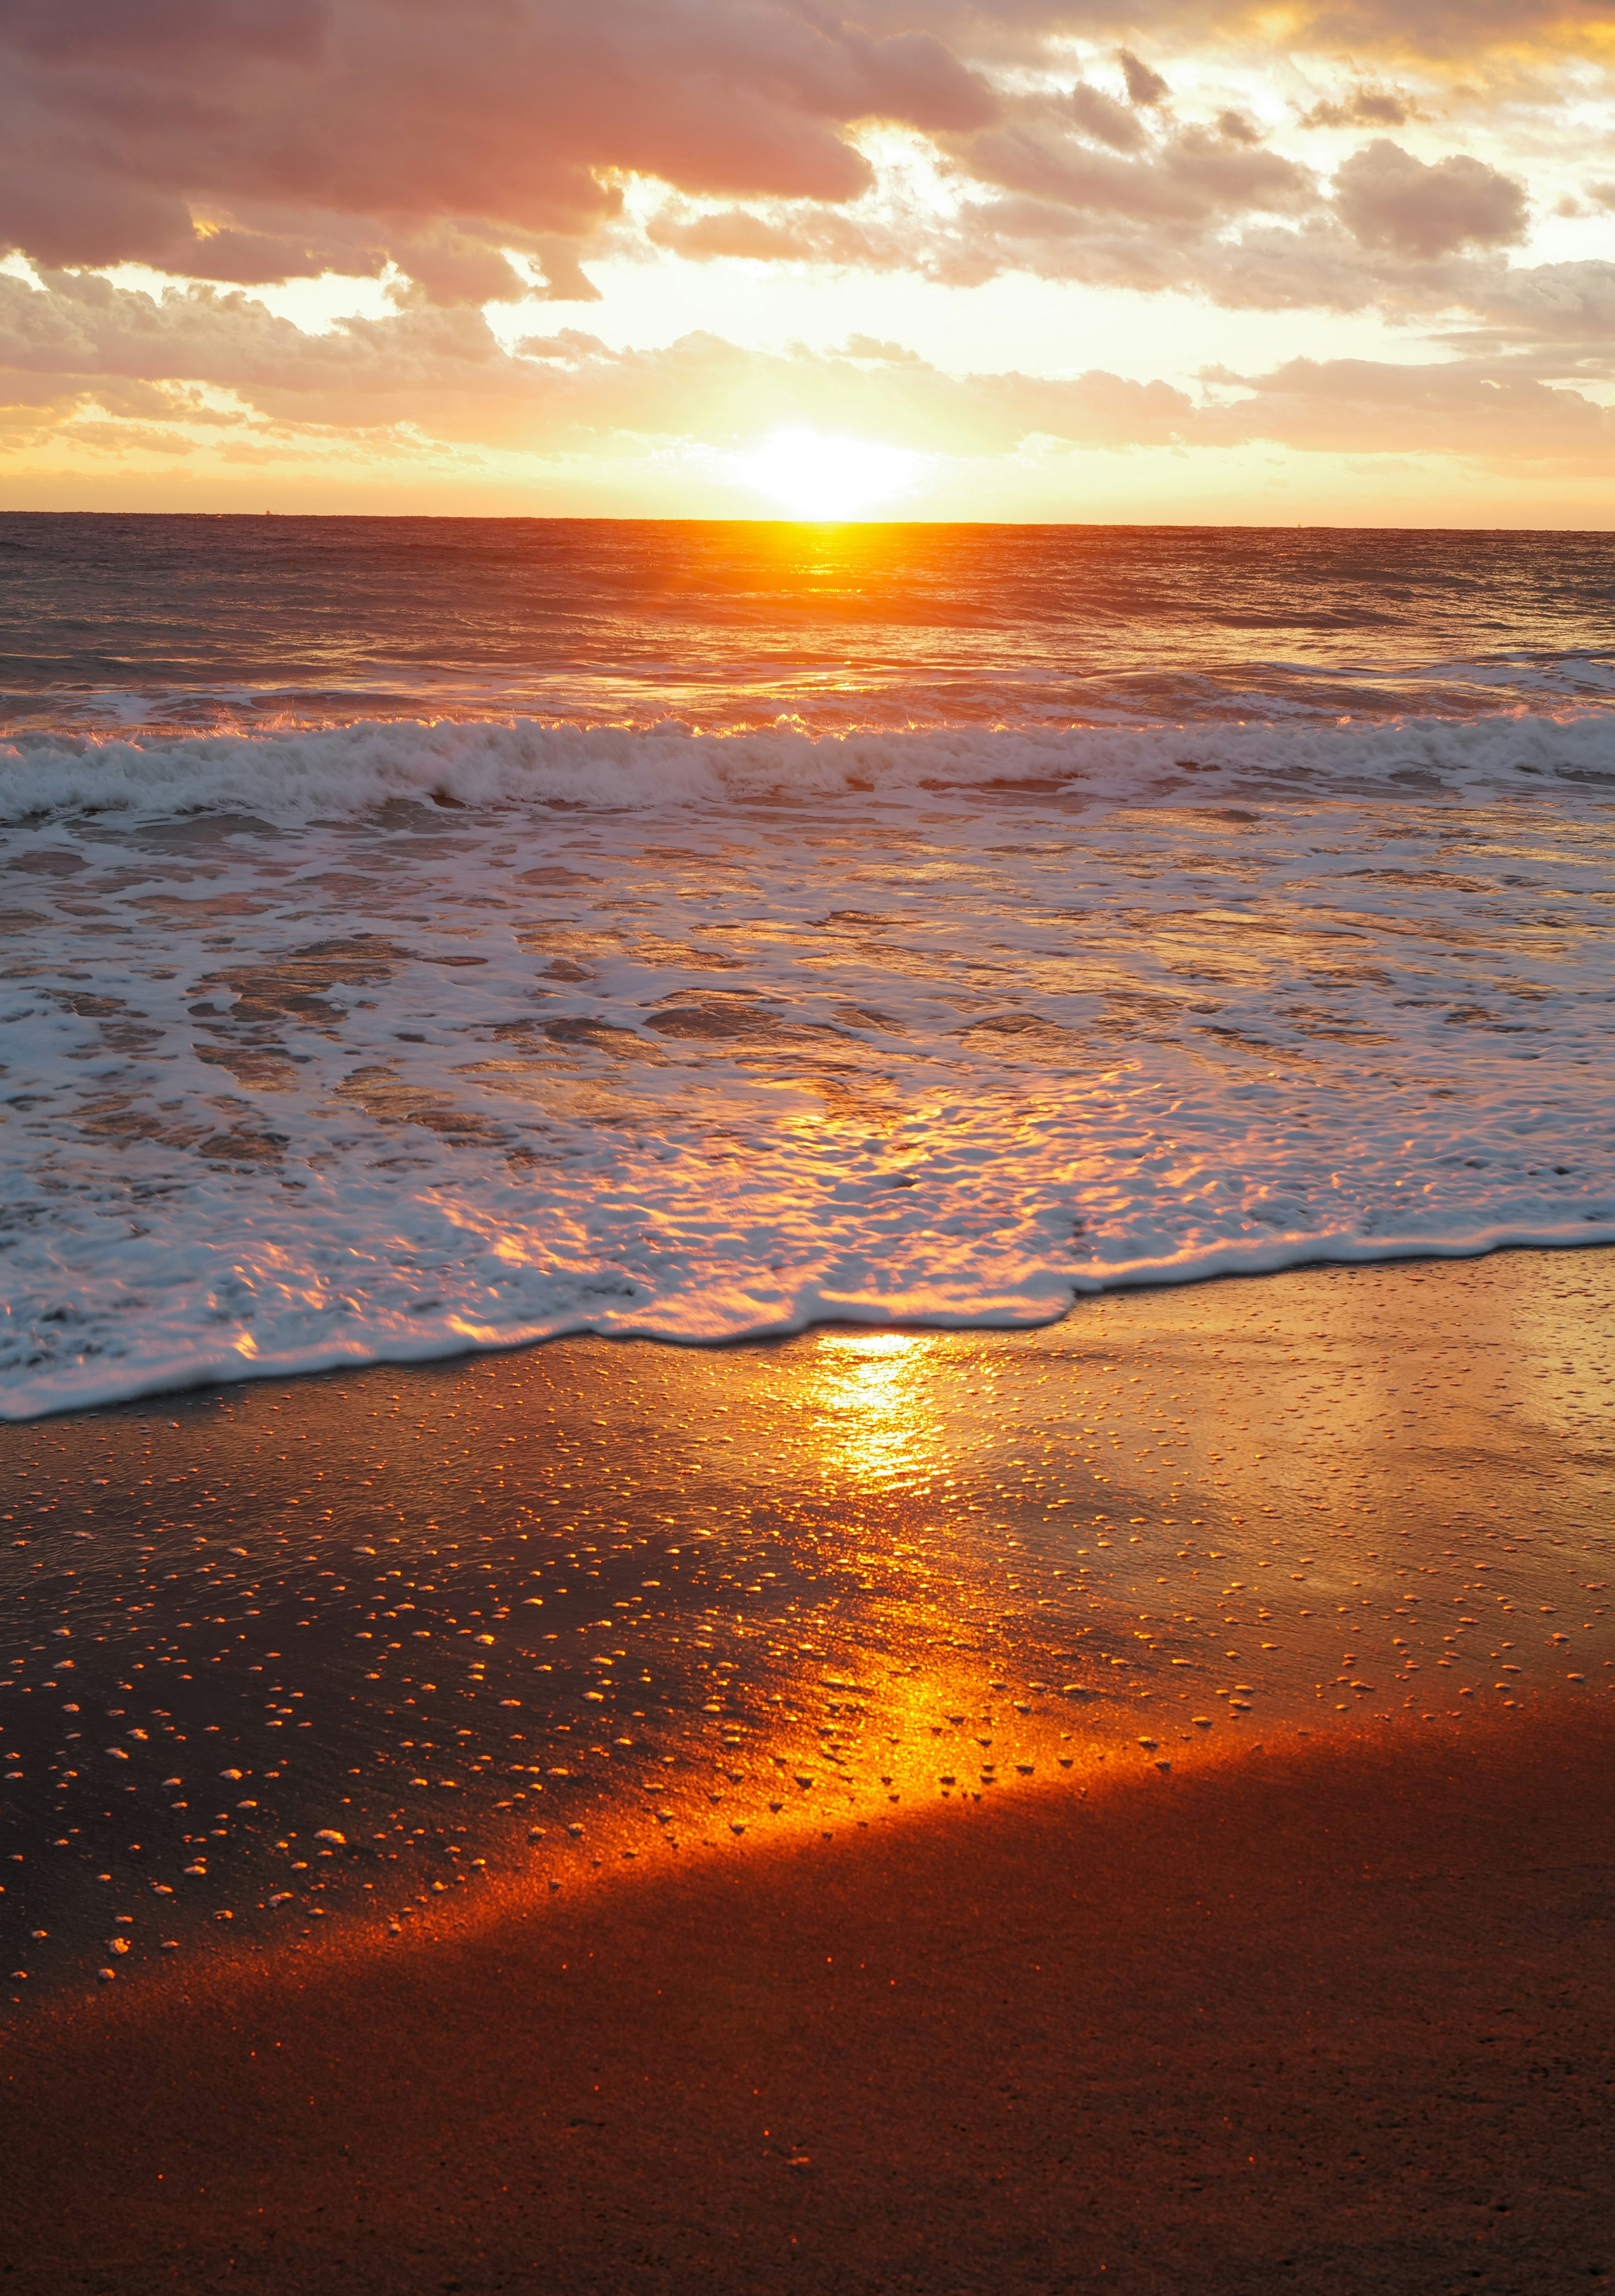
336 1649
282 1098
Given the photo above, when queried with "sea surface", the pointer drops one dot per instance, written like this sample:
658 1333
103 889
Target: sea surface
424 936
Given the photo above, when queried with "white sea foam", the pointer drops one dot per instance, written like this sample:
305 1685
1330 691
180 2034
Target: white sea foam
390 1041
345 773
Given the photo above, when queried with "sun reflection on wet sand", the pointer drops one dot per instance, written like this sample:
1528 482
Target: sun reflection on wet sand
389 1640
880 1426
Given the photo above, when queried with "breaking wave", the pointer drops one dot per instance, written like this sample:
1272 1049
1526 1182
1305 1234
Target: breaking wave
312 774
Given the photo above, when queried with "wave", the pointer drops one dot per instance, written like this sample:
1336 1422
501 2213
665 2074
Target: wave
346 773
699 1037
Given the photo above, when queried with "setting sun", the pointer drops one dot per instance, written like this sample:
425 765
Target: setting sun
815 476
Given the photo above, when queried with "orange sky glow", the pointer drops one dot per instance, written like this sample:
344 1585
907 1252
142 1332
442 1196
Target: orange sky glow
1022 259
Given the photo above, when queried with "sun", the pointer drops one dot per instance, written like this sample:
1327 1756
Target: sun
819 476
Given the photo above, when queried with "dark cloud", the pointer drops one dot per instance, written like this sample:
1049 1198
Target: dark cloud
1096 114
177 32
160 132
448 267
798 234
1363 107
1144 86
1389 199
1192 176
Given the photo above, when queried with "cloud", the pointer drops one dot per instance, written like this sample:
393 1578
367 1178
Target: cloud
1363 107
1094 113
92 365
801 233
1461 40
870 347
1191 176
1462 35
1389 199
1151 231
488 151
1069 183
1365 406
250 141
443 374
1565 311
193 134
1461 32
1144 86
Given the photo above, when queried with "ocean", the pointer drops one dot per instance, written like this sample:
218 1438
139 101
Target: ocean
424 936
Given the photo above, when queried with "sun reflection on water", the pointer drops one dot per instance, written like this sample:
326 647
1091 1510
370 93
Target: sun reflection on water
876 1424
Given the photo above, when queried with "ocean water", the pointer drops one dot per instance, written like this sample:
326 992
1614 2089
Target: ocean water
421 936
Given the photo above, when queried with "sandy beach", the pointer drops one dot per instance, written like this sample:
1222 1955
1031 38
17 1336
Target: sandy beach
1327 2019
927 1833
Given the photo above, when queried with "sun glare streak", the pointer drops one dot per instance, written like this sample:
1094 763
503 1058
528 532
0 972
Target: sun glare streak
817 476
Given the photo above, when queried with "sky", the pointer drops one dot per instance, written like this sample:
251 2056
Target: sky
1345 263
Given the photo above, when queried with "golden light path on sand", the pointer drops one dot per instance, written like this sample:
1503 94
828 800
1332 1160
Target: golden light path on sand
350 1647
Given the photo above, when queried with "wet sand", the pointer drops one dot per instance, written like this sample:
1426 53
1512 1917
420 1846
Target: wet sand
1122 1806
1336 2018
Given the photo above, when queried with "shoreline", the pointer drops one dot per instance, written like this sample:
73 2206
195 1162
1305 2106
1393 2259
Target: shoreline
1330 2018
1235 1263
303 1649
